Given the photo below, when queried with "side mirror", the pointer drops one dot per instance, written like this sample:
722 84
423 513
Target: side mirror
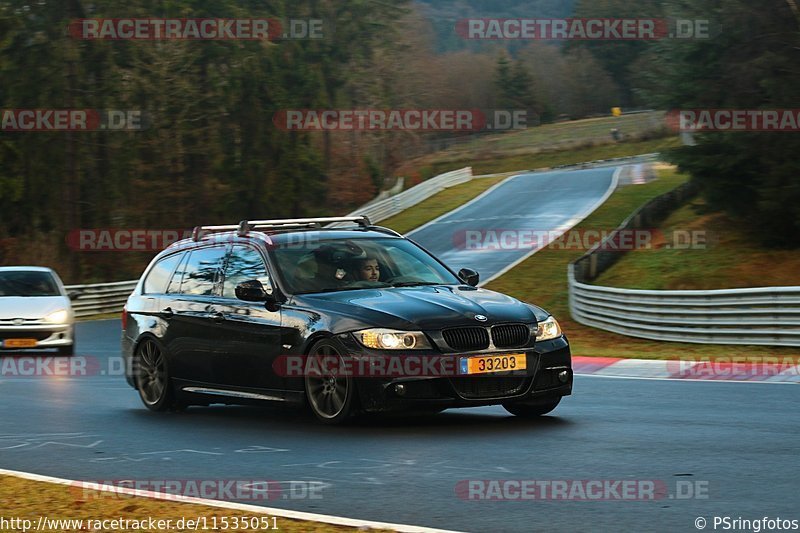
251 291
469 276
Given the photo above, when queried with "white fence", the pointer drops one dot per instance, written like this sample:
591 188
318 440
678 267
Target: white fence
759 316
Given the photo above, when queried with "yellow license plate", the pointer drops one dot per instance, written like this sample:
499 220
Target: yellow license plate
19 343
493 363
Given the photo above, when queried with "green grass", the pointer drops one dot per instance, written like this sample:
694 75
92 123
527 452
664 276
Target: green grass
542 280
567 157
547 145
103 316
724 256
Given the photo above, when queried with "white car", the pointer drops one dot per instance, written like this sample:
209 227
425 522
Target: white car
35 311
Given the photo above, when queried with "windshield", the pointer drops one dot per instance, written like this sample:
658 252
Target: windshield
347 264
21 283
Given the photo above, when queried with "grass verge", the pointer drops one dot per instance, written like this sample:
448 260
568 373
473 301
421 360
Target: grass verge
542 280
701 251
29 500
102 316
541 145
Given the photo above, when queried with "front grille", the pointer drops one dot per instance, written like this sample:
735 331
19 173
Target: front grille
38 335
488 387
465 339
510 335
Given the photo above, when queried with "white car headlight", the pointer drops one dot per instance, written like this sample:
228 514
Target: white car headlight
548 329
390 339
57 317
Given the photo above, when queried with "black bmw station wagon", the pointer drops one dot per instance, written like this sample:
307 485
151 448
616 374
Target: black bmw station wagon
347 320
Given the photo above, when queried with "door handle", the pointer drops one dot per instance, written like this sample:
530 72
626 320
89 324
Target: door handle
167 313
218 318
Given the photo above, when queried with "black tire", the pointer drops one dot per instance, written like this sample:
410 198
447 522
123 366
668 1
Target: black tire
332 397
531 409
67 351
152 376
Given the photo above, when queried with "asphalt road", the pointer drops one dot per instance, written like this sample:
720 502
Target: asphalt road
737 441
513 219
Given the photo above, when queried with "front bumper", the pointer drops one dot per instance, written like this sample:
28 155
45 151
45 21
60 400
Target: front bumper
548 375
45 335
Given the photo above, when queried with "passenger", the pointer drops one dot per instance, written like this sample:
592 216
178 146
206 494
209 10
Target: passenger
330 274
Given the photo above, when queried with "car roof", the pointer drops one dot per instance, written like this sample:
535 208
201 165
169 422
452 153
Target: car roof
25 269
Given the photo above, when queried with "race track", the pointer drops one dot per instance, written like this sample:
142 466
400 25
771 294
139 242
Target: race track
737 440
511 220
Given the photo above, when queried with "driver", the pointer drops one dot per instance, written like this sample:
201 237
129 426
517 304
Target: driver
367 269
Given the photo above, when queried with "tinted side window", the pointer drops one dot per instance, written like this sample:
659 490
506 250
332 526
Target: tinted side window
203 271
175 283
244 264
159 276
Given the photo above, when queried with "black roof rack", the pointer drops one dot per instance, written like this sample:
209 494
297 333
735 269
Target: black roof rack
246 226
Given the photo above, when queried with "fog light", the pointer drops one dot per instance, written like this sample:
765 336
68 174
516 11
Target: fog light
563 376
400 390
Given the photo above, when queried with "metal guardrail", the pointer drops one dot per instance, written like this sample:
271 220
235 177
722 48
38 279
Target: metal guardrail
101 297
768 316
398 203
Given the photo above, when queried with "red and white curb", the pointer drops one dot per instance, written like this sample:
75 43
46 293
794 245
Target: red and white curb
255 509
736 368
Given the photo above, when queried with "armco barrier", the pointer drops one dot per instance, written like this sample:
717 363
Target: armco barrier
757 316
393 205
100 298
760 316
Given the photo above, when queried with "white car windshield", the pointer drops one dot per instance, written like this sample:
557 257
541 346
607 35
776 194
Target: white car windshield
28 283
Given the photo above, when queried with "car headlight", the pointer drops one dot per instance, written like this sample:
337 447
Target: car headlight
57 317
390 339
548 329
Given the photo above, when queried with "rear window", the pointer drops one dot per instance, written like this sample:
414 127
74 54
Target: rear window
28 283
159 276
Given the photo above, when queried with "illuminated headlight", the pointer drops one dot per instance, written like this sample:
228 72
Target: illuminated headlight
57 317
548 329
390 339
